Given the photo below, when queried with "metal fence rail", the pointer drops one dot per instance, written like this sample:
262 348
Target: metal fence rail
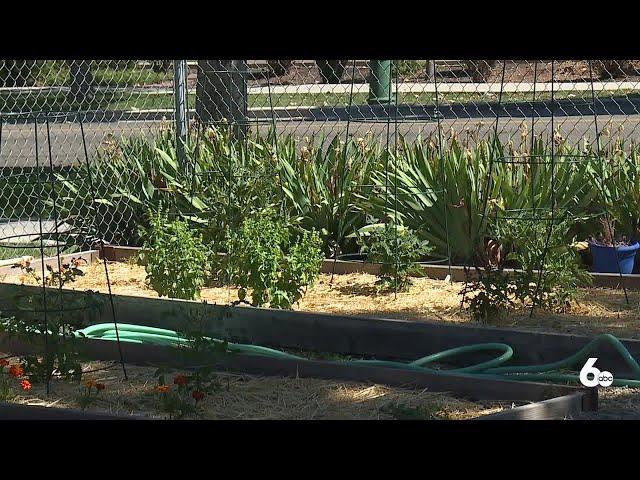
304 98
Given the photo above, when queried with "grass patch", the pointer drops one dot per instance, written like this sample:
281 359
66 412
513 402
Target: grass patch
32 249
56 73
109 101
423 98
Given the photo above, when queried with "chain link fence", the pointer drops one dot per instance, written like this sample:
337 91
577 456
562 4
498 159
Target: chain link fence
51 110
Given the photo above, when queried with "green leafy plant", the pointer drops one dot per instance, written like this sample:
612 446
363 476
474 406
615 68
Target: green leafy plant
442 197
176 258
231 180
7 393
274 264
173 401
408 68
183 397
396 249
66 312
321 182
529 242
201 350
330 186
68 272
12 373
490 298
127 177
619 180
200 354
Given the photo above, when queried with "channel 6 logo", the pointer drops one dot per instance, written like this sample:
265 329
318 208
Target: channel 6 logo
590 376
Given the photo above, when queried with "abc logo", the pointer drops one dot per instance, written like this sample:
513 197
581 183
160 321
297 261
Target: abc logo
590 376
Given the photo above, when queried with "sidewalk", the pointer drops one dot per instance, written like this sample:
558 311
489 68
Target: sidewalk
345 88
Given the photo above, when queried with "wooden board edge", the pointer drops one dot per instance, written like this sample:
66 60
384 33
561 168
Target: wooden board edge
565 407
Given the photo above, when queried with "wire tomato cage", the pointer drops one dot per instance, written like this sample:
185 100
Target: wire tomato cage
43 228
538 164
387 191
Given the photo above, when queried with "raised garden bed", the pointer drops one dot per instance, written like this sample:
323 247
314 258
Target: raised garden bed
436 268
600 310
334 391
345 334
247 397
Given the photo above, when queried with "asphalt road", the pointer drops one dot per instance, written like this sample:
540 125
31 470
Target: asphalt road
18 143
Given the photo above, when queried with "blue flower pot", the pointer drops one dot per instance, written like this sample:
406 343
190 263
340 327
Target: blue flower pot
607 260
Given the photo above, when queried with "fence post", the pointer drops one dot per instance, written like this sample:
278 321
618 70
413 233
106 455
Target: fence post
380 82
180 96
431 69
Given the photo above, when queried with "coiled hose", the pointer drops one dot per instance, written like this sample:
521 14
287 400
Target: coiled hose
559 371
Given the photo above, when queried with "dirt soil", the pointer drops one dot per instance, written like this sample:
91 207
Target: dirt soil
564 71
298 74
599 310
250 397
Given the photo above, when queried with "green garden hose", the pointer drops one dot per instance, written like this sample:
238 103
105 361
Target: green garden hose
549 372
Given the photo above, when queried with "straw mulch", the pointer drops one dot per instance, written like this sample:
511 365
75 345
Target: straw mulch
251 397
616 403
599 310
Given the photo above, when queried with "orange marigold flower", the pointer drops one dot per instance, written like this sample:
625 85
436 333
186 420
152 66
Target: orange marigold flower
197 395
25 384
163 388
100 386
4 362
180 380
16 371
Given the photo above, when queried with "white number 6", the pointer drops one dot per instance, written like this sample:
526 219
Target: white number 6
589 369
